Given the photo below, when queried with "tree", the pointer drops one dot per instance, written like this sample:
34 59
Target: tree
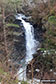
6 43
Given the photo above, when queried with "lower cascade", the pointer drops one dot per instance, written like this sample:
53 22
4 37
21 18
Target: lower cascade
30 44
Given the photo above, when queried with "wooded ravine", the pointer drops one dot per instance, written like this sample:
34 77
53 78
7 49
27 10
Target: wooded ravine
27 41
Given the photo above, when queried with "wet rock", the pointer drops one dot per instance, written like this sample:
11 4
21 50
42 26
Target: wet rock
19 39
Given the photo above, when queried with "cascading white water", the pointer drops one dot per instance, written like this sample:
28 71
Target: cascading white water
30 44
30 41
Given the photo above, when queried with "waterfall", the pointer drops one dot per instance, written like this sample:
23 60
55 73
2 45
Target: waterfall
30 43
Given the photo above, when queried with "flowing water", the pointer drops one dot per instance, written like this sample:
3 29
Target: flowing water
30 50
30 43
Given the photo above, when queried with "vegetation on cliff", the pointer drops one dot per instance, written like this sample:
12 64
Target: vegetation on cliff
40 12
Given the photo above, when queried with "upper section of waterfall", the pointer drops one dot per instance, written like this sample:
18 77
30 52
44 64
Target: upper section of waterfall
31 43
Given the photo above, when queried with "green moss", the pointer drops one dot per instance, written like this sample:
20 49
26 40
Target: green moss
2 71
42 49
12 25
52 19
24 82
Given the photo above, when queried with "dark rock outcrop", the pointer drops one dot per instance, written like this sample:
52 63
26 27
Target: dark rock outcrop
19 50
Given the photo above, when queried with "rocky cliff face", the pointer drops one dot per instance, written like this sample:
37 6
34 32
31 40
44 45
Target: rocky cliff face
17 36
19 51
19 42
